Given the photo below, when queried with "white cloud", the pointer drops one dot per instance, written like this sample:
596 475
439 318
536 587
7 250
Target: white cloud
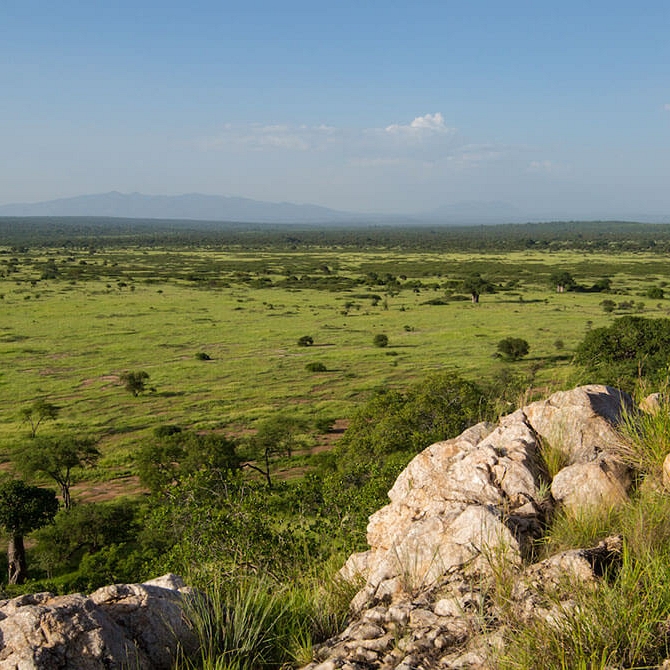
257 137
541 166
425 143
429 123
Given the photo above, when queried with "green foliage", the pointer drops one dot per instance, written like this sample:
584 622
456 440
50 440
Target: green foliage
608 306
306 341
316 366
173 454
475 285
563 281
38 412
207 525
655 293
380 340
84 529
57 457
436 408
24 508
254 623
513 348
631 347
135 382
202 356
279 434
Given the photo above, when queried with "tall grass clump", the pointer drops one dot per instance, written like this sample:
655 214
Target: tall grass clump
623 620
255 622
646 437
620 624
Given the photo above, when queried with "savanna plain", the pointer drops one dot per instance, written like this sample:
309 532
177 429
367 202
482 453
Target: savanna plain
240 458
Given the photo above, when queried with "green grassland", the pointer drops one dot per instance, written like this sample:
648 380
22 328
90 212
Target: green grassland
68 334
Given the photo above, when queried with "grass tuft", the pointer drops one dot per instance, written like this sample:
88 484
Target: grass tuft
254 622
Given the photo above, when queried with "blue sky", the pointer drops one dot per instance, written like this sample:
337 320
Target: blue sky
559 109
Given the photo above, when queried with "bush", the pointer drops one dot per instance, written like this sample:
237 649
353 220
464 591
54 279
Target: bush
513 348
632 346
202 356
655 293
316 367
380 340
306 341
135 382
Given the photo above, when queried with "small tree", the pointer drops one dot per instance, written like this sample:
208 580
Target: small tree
513 348
57 457
475 285
38 412
315 366
23 508
563 281
655 293
173 454
306 341
135 382
276 435
608 306
380 340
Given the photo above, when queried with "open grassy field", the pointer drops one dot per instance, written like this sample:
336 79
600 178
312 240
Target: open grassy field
73 321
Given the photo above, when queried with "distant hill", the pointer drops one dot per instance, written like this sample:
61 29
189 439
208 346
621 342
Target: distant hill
476 213
192 206
201 207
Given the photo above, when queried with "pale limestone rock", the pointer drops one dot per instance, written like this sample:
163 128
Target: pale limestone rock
652 403
121 626
581 422
460 516
602 483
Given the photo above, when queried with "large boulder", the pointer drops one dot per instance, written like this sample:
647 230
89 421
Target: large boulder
580 422
483 494
121 626
464 501
463 515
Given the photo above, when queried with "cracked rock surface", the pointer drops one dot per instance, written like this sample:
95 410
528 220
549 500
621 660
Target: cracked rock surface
463 510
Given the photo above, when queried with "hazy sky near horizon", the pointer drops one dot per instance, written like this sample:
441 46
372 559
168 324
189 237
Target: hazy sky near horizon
556 108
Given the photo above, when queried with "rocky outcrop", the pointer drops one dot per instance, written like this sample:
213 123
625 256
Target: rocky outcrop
120 626
468 510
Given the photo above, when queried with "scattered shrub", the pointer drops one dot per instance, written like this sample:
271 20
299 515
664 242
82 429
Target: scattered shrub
306 341
202 356
655 293
513 348
380 340
135 382
316 367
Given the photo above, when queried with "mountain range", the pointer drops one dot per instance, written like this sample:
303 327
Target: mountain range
201 207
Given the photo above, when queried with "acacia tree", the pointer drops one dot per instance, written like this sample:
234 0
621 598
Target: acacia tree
563 281
23 508
172 455
57 457
475 285
513 348
276 435
38 412
135 382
